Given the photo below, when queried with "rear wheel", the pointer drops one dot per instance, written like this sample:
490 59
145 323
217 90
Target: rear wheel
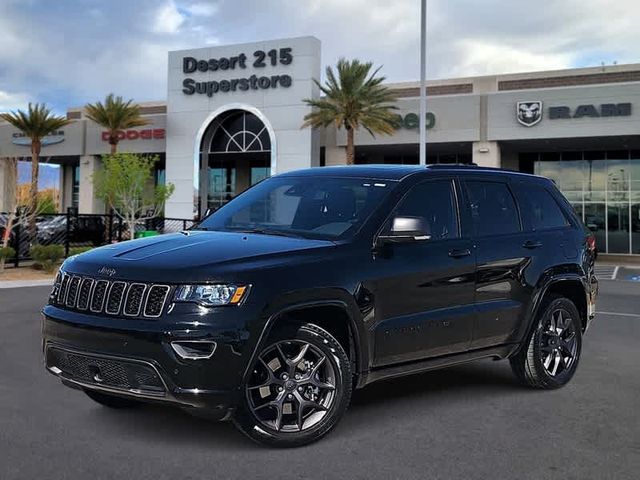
298 390
550 357
111 401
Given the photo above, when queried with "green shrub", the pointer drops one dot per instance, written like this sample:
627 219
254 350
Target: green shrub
78 250
47 257
7 252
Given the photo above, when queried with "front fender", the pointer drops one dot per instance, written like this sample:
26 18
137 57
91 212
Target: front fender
304 299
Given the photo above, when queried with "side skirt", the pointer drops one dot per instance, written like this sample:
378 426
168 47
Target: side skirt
394 371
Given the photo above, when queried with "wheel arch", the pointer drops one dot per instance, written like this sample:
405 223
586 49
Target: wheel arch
343 326
570 286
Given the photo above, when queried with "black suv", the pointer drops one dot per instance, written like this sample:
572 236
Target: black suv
316 282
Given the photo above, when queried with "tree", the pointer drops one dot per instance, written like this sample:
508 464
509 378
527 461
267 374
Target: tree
115 115
355 98
18 210
11 182
125 183
36 123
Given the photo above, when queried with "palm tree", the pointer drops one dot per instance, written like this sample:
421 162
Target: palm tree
356 98
36 123
115 114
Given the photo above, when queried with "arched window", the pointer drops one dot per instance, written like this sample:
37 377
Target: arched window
235 154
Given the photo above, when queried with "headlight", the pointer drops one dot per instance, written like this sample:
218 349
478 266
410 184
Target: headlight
211 295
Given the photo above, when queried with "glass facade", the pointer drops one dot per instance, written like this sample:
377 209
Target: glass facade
75 189
604 189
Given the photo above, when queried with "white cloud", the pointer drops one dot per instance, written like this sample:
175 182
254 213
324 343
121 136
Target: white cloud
484 58
168 19
68 55
202 9
13 101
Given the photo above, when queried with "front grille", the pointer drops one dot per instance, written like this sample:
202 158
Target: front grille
135 295
106 372
114 300
131 299
72 294
84 294
97 300
155 300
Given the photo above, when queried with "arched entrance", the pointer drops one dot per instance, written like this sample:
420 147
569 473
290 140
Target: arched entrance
235 153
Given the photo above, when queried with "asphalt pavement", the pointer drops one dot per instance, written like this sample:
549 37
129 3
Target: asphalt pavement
467 422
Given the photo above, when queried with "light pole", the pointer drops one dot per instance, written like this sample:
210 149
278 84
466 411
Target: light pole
423 83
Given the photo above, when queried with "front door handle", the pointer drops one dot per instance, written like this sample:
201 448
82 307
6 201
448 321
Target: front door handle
459 252
532 244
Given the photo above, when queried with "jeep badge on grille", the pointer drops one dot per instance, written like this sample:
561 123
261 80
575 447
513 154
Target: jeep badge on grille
107 272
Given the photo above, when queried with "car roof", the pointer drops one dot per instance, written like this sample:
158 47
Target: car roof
397 172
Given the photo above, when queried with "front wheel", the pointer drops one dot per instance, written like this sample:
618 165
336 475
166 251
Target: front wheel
550 357
298 390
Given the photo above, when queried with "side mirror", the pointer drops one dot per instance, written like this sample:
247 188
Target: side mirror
407 229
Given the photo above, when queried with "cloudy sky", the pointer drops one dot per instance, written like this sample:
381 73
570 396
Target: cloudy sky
69 52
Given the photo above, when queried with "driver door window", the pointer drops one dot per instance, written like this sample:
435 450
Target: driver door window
435 202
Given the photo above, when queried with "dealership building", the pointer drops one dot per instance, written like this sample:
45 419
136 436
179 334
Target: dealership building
233 116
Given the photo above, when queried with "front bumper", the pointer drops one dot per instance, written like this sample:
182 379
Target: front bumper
133 358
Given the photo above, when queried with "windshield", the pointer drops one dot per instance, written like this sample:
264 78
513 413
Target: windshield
310 207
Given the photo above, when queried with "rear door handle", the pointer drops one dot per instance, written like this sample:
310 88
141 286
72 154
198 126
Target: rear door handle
459 253
532 244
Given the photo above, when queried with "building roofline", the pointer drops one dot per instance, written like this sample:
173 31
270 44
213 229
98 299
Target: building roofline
478 84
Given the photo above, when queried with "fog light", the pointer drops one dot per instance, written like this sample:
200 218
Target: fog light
194 349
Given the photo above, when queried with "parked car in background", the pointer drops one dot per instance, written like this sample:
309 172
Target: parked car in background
316 282
82 230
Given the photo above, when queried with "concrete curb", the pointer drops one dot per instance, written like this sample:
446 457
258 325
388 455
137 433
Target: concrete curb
24 283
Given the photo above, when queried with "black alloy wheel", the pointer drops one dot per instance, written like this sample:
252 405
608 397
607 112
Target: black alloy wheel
558 343
550 356
298 389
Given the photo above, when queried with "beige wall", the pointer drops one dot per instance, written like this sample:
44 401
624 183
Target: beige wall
95 145
87 201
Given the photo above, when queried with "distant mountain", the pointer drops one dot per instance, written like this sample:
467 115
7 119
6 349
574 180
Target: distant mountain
49 175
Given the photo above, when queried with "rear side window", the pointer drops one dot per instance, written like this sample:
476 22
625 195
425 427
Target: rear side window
493 208
539 209
434 201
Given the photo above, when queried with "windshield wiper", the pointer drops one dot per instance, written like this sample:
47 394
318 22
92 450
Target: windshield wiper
266 231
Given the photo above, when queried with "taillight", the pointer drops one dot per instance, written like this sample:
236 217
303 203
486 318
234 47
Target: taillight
591 242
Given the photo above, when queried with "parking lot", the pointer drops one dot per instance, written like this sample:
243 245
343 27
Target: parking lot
470 422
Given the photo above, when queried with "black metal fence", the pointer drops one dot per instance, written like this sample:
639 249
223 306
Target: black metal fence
72 230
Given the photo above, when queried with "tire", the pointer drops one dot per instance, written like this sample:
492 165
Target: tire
550 356
111 401
320 388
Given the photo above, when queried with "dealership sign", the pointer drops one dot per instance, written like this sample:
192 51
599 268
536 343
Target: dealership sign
146 134
257 61
529 113
19 138
411 121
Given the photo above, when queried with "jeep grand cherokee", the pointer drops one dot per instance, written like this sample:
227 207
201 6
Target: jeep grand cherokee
316 282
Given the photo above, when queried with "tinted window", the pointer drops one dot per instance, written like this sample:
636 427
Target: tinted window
435 202
493 208
314 207
539 209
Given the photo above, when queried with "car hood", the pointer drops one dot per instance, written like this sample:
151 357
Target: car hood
189 255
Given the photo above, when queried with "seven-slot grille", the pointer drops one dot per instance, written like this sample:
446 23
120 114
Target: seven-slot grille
113 297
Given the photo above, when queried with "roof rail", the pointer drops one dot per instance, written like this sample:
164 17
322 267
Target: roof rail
449 165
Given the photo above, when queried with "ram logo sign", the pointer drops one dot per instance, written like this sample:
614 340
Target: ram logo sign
529 113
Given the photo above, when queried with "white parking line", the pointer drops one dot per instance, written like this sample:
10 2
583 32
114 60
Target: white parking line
619 314
615 273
